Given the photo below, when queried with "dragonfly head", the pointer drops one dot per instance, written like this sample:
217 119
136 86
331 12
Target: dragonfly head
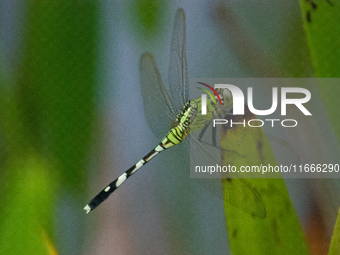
226 97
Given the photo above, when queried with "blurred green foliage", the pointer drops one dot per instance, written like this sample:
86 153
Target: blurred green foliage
47 121
321 22
147 17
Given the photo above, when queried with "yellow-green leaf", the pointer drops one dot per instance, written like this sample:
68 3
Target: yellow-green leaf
250 231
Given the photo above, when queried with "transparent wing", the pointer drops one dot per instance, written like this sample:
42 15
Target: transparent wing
178 78
250 201
158 108
244 145
237 191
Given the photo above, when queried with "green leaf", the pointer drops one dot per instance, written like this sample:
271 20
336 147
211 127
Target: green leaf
321 22
28 206
335 243
250 231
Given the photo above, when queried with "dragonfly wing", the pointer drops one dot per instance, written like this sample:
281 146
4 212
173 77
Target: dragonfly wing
236 191
158 108
178 76
249 201
239 146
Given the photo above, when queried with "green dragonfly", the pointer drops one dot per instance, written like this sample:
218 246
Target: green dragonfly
183 117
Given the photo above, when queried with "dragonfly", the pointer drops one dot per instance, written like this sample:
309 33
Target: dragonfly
169 109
